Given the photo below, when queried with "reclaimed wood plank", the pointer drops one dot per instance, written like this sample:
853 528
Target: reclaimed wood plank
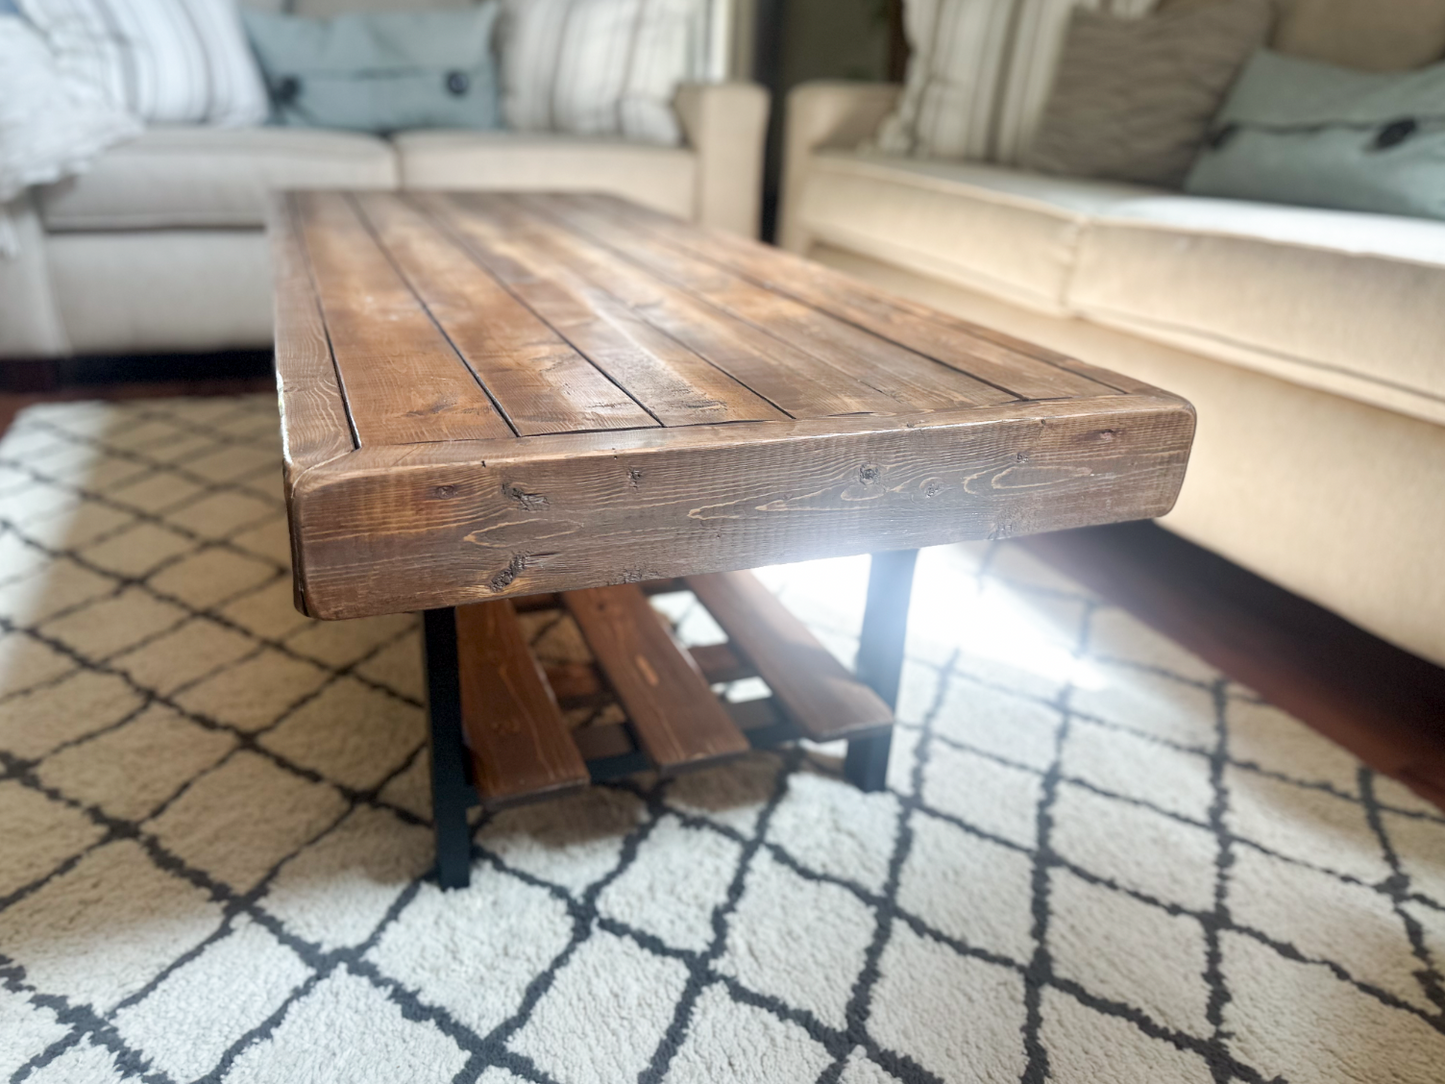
814 688
916 381
521 746
792 269
678 721
315 426
404 382
397 529
541 383
759 720
798 382
582 681
1029 371
674 383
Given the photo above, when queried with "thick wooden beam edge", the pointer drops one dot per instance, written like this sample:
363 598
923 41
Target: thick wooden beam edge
437 528
1097 412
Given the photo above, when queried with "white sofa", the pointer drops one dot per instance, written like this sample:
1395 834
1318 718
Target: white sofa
160 246
1312 342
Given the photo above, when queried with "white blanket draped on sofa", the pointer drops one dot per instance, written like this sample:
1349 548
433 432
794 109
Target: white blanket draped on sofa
51 127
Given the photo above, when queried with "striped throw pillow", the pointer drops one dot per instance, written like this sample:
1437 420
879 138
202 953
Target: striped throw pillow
167 61
980 74
599 67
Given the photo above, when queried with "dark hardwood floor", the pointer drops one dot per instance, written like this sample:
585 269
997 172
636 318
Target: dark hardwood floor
1383 704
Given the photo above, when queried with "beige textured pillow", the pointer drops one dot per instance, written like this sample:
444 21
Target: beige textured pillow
1133 98
979 74
1373 35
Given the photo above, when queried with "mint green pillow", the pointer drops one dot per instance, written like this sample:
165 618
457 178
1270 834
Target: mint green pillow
379 71
1298 131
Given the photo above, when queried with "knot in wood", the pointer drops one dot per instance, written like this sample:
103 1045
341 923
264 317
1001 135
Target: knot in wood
444 493
530 501
503 579
867 473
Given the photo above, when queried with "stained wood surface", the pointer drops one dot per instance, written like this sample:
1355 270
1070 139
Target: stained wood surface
402 377
496 395
678 721
521 746
582 681
814 688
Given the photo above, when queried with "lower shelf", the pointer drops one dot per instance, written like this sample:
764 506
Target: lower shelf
522 748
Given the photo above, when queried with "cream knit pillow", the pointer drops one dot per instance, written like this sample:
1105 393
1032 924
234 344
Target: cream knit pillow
598 67
980 74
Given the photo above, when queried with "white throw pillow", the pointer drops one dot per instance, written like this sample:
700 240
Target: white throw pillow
50 126
598 67
168 61
980 74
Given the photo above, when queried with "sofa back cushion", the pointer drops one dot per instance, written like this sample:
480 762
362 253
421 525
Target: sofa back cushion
1373 35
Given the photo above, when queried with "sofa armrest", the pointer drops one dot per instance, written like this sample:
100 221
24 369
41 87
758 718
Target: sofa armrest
30 325
726 125
820 115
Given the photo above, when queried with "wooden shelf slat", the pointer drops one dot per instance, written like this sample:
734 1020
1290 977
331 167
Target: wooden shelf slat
815 689
581 681
521 746
761 721
678 721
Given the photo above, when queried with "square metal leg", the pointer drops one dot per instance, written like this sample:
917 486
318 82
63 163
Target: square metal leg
451 791
880 658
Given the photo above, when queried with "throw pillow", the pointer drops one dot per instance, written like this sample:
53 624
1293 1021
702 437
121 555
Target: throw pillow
1299 131
50 126
167 61
979 74
599 67
380 72
1134 97
1371 35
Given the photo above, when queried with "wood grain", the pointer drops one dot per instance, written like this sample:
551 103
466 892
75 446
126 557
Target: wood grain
441 524
675 384
520 744
1028 372
797 381
314 423
914 381
583 681
541 383
681 403
678 721
814 688
403 380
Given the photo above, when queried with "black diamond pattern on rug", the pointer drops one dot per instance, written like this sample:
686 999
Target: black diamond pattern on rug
1097 858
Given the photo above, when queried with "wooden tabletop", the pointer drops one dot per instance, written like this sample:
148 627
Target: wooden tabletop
488 394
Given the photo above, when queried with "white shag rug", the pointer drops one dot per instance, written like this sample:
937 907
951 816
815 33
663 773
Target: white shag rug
1098 860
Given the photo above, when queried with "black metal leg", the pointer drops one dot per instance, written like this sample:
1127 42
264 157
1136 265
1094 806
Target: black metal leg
451 792
880 658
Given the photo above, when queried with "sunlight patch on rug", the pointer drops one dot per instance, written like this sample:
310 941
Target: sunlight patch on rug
1097 860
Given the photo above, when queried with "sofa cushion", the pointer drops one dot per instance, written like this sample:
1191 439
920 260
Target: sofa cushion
211 177
660 177
1338 300
989 228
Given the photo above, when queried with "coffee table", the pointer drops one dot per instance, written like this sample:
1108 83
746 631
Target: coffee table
494 402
